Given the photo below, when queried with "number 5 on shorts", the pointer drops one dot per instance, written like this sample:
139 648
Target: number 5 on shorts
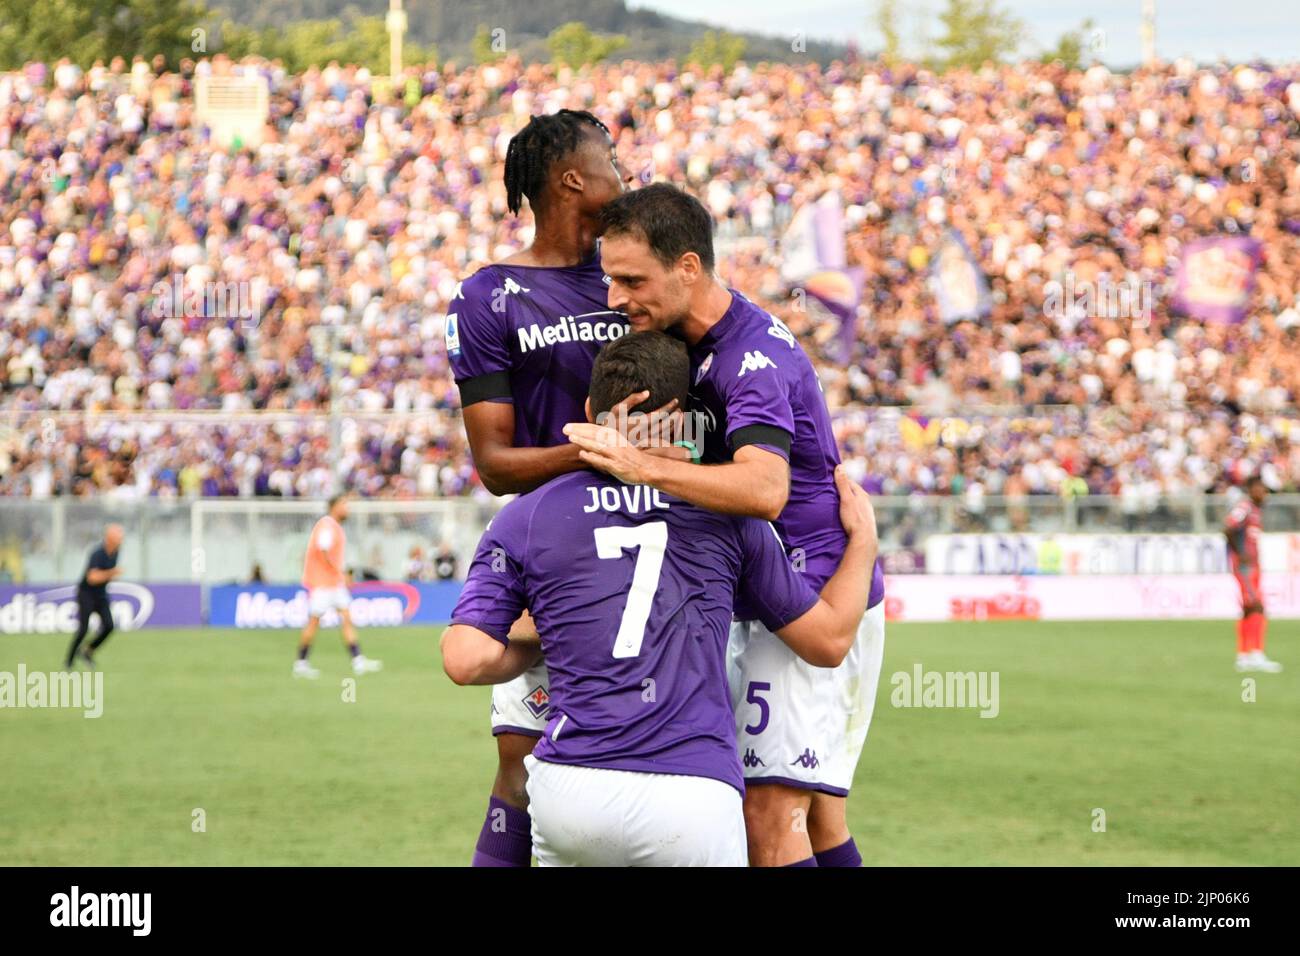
764 710
650 540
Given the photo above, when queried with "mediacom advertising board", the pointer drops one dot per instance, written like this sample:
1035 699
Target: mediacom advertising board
374 604
52 609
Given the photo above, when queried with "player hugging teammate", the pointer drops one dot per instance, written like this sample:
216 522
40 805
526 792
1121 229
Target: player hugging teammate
517 394
770 455
638 765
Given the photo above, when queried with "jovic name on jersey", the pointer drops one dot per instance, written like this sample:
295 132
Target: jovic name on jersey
632 593
755 385
530 335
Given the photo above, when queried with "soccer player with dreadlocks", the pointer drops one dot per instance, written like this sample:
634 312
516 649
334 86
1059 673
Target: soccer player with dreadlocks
521 337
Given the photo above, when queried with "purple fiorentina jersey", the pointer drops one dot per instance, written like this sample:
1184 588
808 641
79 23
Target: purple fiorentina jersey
757 387
529 335
632 592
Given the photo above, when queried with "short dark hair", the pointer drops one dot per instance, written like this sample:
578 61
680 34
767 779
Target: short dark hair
637 362
534 148
671 221
1256 479
334 499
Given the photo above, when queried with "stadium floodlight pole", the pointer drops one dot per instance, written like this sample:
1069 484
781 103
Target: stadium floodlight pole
1148 32
325 341
336 424
396 24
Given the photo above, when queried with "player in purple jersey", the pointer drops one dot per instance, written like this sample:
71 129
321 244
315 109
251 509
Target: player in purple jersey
632 594
769 452
521 336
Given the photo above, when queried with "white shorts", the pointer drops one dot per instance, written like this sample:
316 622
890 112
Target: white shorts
522 706
797 724
588 816
320 601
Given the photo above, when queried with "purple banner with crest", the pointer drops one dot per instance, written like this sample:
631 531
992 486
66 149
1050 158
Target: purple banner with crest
1216 278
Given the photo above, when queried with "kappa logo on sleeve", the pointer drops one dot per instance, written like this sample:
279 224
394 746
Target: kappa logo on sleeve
754 361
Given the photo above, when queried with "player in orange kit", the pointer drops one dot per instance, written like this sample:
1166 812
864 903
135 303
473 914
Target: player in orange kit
1242 529
327 589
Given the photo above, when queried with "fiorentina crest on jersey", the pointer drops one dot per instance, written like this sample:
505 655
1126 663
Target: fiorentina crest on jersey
704 368
538 701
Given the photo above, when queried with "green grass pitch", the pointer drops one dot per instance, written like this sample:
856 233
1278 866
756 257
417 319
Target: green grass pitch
1144 721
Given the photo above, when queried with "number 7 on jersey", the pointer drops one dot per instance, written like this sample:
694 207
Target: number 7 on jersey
650 540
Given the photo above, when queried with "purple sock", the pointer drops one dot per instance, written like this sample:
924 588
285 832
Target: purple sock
846 854
354 649
811 861
506 838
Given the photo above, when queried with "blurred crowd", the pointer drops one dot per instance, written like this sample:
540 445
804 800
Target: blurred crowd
342 236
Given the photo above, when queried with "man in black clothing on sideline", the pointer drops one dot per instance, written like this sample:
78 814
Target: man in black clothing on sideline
92 595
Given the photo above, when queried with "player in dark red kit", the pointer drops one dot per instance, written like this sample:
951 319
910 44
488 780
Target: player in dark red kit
521 337
1242 529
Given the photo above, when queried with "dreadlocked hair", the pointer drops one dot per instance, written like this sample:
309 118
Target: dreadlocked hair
532 150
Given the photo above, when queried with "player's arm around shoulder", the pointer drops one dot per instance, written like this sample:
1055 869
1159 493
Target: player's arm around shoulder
488 641
823 635
474 657
755 483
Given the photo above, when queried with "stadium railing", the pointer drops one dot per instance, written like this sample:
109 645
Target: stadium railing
219 540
